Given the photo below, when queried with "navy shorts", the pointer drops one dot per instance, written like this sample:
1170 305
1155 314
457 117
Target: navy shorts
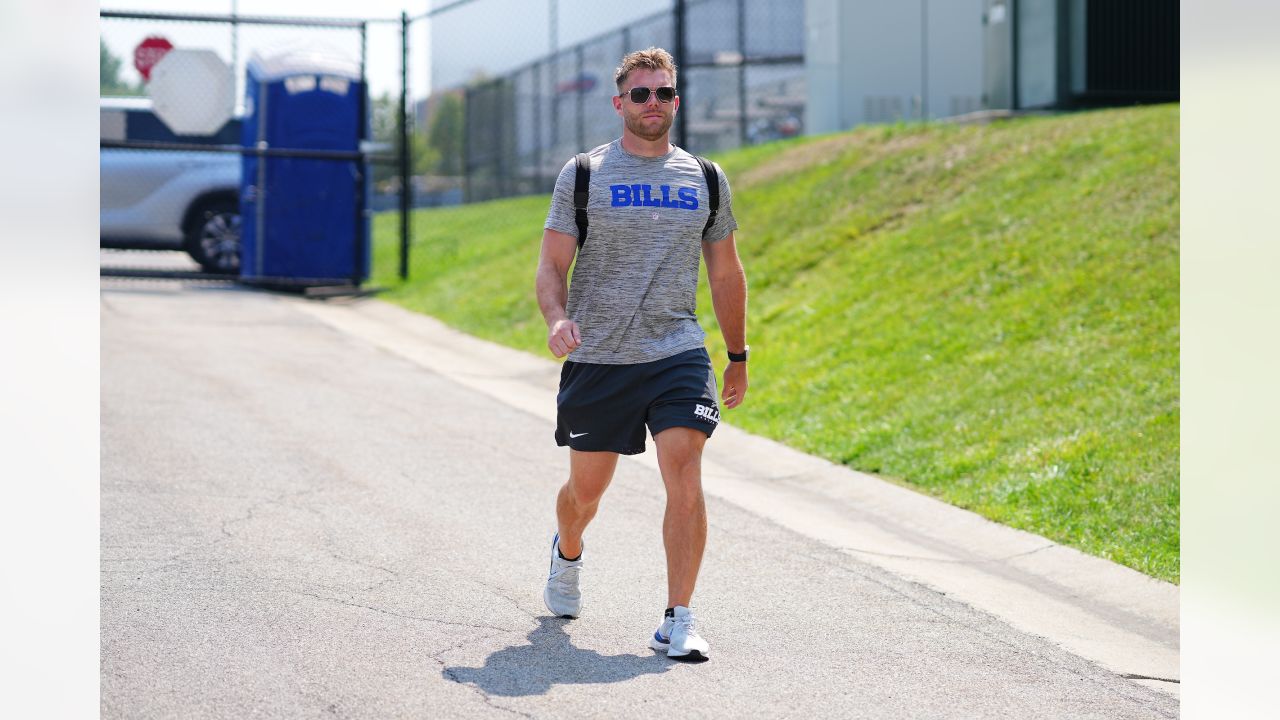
605 408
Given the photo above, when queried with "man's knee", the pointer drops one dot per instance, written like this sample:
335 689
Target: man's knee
685 498
586 491
586 488
681 445
589 475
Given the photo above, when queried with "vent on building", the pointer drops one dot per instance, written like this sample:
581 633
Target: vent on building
882 108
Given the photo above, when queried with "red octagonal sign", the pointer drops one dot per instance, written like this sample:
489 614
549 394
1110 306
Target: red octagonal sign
148 53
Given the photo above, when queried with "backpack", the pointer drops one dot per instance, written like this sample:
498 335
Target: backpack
582 183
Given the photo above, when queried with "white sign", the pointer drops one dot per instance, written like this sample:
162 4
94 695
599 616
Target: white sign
192 91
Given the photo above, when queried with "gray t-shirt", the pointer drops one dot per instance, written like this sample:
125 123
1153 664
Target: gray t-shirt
635 281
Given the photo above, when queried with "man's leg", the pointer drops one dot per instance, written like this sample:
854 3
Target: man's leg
589 476
684 527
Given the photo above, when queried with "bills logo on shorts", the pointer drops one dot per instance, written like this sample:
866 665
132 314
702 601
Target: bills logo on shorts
709 414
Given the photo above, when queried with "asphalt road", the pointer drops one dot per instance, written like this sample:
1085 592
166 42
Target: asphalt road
296 523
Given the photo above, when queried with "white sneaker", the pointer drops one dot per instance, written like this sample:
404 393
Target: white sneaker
562 596
679 637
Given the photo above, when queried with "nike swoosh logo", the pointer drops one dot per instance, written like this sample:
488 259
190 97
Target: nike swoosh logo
577 435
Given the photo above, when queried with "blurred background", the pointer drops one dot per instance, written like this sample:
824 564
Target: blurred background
471 100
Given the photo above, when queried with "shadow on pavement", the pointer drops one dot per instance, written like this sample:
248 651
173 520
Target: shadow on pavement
551 659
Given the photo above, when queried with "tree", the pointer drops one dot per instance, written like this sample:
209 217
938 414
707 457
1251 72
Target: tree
109 82
445 135
384 128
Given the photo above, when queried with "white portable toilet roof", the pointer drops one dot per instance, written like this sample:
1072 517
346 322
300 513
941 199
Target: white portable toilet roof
309 61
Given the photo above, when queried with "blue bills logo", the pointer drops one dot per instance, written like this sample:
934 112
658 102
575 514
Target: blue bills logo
686 198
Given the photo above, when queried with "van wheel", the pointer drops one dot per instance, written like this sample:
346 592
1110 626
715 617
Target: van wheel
213 238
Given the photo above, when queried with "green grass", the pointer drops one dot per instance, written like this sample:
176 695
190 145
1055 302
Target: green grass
987 314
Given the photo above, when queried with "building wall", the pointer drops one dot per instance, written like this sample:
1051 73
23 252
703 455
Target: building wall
887 61
822 66
881 61
955 57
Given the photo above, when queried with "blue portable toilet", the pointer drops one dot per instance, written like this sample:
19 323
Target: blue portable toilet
304 220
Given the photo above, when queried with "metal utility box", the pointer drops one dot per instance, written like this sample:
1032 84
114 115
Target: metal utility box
303 200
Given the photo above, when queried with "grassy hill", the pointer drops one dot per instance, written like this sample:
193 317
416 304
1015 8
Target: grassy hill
988 314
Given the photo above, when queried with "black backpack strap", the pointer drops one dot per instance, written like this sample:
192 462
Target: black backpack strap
713 190
581 183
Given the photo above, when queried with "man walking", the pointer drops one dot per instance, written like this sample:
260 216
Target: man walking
636 352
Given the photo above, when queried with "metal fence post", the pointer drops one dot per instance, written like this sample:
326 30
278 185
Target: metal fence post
235 47
536 83
924 60
742 72
404 146
366 170
467 119
1014 18
581 145
682 132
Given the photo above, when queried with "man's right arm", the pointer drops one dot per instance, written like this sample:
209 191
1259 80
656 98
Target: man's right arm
557 254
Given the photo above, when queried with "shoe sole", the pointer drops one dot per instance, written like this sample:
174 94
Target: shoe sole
693 656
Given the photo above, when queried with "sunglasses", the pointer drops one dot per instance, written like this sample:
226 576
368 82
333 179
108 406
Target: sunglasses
640 95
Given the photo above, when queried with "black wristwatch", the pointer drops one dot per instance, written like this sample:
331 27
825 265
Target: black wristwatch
739 357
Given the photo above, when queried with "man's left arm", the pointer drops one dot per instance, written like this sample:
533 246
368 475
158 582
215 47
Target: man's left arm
729 299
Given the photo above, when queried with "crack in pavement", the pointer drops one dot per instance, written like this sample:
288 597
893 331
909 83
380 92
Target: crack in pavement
277 500
498 591
384 611
395 575
226 534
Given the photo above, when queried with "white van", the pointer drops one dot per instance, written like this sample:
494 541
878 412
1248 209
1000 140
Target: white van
167 199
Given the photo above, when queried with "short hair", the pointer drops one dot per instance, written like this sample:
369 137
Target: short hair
654 58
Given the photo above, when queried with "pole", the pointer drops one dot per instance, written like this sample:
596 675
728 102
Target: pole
536 71
404 146
361 245
1014 19
742 73
577 79
553 25
924 59
682 130
235 47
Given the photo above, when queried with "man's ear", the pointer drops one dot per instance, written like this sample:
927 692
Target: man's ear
617 104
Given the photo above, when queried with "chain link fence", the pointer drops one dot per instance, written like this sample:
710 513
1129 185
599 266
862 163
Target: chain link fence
742 81
167 184
485 131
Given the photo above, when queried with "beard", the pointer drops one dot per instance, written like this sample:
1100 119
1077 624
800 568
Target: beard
636 124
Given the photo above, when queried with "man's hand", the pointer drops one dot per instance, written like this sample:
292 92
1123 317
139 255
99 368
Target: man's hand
735 384
563 338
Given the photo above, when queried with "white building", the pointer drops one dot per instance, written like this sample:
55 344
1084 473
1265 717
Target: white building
875 62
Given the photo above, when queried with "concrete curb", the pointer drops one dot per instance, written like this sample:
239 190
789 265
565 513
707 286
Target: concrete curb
1109 614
